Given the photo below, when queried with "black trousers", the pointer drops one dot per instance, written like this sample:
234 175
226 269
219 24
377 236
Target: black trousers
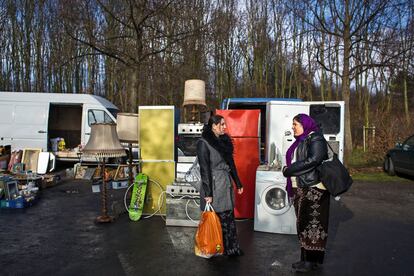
228 226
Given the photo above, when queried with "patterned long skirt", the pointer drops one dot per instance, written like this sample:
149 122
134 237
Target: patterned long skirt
228 226
312 213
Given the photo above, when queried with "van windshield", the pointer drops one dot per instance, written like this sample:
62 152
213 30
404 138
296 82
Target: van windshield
98 116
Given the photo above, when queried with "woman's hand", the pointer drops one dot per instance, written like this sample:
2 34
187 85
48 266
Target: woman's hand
208 199
240 190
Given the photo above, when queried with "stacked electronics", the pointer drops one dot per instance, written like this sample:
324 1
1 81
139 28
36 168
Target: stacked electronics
182 199
187 137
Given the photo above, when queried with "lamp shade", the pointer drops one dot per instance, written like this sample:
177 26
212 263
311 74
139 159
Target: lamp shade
127 127
194 92
104 141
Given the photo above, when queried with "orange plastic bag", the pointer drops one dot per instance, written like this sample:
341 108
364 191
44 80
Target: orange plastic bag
209 237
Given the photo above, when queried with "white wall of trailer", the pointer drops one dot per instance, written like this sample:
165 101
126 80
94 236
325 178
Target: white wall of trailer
279 125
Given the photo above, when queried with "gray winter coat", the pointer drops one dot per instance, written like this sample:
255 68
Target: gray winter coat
216 170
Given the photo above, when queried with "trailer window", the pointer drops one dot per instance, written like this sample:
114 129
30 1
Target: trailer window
327 116
98 116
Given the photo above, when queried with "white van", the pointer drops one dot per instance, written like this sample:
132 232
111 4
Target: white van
32 120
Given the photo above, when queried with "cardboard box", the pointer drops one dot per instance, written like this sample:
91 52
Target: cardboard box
48 180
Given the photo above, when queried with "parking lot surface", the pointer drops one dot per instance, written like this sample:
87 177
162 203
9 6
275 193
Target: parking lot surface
371 233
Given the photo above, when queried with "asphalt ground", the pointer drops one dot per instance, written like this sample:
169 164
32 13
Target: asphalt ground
371 233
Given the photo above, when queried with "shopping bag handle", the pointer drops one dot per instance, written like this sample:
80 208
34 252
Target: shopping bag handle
209 207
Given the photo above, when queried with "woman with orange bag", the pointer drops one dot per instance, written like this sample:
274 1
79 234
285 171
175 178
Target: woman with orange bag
217 168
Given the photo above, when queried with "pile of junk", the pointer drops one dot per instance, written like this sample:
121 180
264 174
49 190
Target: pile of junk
22 174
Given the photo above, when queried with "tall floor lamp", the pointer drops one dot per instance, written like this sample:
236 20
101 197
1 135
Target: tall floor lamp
127 129
103 144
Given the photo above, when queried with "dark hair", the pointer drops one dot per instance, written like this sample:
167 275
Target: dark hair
214 119
297 118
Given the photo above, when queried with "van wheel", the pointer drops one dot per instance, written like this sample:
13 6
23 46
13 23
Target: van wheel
390 163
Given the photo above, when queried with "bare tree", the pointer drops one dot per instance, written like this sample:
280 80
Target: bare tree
224 32
348 20
407 27
141 33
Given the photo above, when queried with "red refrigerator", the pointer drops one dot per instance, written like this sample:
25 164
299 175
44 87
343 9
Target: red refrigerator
243 127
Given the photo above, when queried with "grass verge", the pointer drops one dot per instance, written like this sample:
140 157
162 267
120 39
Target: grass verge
364 168
360 159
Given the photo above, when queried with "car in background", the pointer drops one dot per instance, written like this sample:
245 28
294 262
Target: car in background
401 158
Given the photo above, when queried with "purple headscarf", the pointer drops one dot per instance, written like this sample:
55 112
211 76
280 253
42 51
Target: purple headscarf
308 125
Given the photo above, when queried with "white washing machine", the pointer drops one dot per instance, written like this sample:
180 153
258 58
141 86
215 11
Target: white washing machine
272 211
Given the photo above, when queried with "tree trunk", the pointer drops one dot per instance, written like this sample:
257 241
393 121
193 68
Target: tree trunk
346 82
322 57
366 99
407 114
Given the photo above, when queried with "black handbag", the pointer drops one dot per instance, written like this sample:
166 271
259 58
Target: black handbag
334 176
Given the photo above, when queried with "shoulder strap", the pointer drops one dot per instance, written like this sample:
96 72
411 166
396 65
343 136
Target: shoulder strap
329 146
333 152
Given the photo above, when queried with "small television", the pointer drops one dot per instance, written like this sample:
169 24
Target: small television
11 189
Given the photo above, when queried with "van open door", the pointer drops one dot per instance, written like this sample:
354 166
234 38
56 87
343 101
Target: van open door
65 121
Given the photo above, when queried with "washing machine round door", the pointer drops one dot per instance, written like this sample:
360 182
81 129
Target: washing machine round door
275 200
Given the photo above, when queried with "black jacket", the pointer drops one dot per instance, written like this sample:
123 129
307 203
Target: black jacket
224 146
309 155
